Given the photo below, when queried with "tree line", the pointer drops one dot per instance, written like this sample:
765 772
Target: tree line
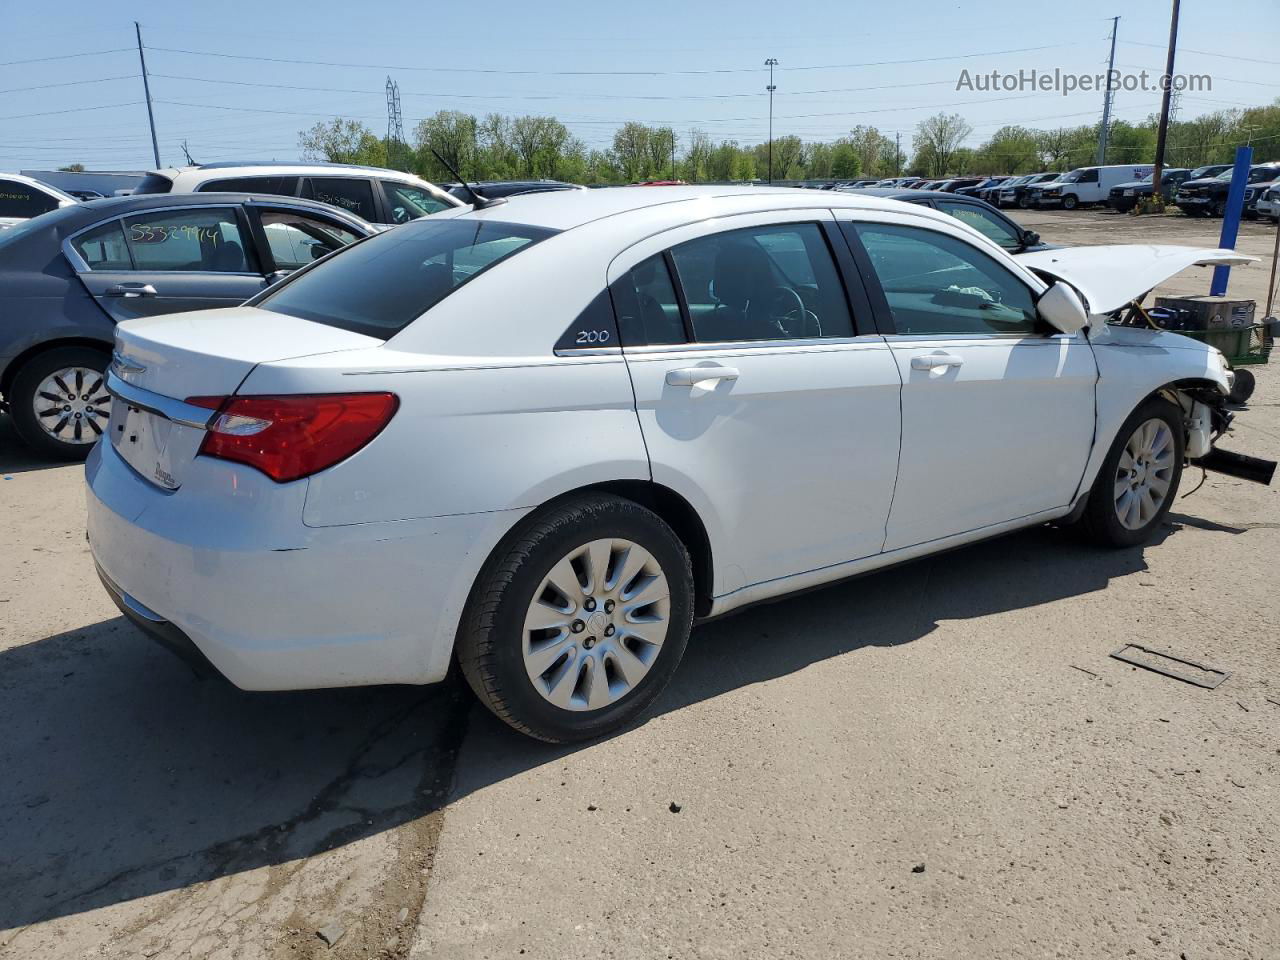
500 147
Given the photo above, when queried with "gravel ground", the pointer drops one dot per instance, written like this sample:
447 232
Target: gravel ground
933 761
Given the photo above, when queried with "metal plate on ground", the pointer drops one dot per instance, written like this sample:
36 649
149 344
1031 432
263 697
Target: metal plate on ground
1188 671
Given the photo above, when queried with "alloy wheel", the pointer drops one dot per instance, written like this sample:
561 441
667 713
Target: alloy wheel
72 405
1144 474
596 624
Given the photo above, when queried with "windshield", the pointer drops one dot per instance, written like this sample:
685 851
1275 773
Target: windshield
1071 177
411 268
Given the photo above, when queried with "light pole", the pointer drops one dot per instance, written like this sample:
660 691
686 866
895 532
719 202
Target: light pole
771 63
1157 195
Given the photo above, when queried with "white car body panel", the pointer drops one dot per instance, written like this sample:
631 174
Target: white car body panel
747 439
1112 275
360 573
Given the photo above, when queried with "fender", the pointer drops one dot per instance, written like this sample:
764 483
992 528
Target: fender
1134 363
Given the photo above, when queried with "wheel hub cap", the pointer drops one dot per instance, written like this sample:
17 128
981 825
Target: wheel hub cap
1144 474
71 405
596 624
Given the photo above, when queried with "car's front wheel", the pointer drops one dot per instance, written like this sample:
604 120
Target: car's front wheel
1138 480
1070 202
59 402
579 619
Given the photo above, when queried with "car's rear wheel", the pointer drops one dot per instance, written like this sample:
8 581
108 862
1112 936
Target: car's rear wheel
579 619
59 402
1138 480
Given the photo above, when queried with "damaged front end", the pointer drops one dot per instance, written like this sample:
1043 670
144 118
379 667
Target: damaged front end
1207 419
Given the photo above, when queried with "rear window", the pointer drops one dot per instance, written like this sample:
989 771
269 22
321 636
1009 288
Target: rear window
379 285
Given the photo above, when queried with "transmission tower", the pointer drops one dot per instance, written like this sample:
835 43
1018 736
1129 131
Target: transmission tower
395 123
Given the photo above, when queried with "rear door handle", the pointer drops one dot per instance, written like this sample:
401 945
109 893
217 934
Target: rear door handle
131 290
930 361
688 376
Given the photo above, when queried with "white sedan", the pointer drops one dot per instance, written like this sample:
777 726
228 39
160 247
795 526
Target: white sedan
543 437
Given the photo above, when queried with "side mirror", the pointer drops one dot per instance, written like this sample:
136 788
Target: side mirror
1030 238
1061 308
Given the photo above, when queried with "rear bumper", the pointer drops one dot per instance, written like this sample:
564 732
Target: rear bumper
157 628
230 571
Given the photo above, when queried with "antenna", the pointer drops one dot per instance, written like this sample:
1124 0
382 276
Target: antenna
477 201
187 153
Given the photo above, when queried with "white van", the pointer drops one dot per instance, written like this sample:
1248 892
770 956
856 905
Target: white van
1086 185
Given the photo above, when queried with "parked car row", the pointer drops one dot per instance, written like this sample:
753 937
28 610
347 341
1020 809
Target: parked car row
1207 196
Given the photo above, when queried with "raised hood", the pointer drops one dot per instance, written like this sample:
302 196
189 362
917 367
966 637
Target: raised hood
1110 276
209 352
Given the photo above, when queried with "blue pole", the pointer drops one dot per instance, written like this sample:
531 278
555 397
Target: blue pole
1231 217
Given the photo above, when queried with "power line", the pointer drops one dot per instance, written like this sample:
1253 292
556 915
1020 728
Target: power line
66 56
1203 53
70 83
598 73
548 96
50 113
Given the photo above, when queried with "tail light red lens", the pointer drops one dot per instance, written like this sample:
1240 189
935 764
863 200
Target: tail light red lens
293 436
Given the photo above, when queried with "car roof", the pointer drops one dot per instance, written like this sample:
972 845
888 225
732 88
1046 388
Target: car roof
565 210
87 212
906 193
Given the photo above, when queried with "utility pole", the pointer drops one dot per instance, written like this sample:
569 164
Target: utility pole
1157 195
897 154
1105 132
771 63
395 122
146 87
673 154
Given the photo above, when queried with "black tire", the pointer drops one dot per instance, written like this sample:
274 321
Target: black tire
490 640
1100 521
22 395
1024 202
1243 387
1219 209
1070 201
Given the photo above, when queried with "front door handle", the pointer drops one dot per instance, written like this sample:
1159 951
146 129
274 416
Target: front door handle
689 376
931 361
131 290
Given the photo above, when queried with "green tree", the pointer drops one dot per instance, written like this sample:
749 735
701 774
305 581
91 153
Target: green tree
938 138
342 141
452 134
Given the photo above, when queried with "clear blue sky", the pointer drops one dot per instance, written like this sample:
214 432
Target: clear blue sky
824 47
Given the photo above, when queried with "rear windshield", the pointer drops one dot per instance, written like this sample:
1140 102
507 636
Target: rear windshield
378 286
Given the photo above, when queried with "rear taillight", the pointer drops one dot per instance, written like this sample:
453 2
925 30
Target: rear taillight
293 436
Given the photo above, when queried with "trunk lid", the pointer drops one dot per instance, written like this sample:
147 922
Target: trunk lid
1112 275
158 362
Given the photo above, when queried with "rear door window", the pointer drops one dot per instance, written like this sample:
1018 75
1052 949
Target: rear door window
104 247
353 194
276 186
407 202
203 241
411 269
763 283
